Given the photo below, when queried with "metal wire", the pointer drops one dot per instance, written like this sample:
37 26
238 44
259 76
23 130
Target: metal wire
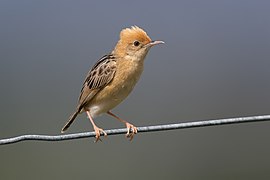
140 129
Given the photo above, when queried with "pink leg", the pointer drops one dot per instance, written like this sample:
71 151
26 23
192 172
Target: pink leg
129 126
97 129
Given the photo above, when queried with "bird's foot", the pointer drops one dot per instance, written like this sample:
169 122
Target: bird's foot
98 131
131 131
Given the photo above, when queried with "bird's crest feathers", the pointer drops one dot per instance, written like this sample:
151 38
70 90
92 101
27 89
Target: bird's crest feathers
128 35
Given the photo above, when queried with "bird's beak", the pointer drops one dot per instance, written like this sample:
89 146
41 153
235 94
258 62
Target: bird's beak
153 43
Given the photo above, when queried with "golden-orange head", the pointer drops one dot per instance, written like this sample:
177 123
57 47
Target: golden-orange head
135 42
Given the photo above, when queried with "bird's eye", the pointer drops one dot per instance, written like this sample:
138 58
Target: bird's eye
136 43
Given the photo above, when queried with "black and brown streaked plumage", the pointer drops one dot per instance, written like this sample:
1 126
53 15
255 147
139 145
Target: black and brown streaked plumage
113 77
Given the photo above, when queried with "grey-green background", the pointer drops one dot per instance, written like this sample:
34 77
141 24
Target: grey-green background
215 64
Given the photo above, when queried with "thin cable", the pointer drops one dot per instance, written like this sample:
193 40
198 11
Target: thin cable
140 129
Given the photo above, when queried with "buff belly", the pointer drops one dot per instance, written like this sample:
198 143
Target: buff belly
114 93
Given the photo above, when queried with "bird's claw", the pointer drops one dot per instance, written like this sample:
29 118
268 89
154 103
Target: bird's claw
98 131
133 130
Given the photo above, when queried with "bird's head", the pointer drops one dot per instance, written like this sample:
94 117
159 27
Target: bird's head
134 43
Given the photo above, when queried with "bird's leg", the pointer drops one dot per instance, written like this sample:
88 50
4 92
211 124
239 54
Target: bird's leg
97 129
129 126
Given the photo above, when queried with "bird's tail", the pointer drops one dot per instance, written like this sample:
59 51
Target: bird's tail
70 120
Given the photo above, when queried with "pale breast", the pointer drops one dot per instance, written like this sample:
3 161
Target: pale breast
126 77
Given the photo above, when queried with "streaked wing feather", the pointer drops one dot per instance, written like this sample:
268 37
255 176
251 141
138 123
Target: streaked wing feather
98 77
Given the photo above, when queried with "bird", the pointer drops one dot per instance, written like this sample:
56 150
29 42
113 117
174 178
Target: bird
112 79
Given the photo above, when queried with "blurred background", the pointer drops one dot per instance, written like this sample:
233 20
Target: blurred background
215 64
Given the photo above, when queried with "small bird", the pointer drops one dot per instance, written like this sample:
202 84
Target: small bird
112 79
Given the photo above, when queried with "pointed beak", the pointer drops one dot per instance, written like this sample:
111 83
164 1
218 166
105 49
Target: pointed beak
153 43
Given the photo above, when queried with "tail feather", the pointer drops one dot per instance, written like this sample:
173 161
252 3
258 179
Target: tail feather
70 120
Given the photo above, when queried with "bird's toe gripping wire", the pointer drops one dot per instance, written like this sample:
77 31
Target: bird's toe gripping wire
131 131
98 132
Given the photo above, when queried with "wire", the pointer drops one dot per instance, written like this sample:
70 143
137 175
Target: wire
140 129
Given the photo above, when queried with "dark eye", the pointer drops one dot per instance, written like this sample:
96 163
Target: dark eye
136 43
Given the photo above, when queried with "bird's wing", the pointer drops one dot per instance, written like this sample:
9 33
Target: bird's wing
98 77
